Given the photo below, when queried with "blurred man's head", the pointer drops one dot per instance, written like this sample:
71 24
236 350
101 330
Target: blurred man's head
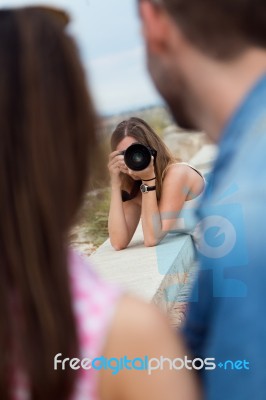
191 44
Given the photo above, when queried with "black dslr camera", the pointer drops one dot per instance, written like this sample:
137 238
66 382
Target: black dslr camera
138 156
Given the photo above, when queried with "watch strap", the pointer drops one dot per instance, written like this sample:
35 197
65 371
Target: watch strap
149 188
145 188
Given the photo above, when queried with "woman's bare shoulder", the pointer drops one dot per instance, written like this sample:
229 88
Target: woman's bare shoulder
133 328
183 175
135 317
178 170
141 330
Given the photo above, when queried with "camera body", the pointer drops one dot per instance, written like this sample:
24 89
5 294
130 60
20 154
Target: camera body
138 156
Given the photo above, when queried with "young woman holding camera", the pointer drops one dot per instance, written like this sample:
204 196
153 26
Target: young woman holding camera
156 194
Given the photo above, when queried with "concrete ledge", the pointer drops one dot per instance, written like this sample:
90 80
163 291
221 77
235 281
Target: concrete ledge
147 272
177 265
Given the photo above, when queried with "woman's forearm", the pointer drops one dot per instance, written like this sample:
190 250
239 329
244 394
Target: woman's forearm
117 225
151 219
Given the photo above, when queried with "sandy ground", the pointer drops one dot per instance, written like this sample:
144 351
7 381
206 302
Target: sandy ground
79 240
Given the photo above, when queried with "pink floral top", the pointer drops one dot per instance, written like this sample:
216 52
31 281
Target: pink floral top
94 303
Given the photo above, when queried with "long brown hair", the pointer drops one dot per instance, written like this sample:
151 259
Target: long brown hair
138 129
47 127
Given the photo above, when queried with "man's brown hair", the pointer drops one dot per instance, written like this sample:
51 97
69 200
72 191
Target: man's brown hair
221 28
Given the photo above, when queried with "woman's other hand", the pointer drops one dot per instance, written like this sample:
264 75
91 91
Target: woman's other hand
116 165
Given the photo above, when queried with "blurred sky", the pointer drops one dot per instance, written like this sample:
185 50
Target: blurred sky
112 50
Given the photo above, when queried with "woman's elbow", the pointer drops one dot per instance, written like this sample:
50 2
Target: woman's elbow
117 241
118 246
151 242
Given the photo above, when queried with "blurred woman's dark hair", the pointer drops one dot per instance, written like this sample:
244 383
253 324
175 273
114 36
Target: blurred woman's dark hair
47 128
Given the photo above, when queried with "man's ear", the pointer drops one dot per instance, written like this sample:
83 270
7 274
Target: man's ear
155 26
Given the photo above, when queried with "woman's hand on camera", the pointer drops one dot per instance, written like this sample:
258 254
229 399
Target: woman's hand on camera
116 165
147 173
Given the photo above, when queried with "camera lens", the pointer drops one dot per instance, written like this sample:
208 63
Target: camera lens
137 157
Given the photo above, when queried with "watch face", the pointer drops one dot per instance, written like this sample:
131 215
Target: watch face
143 188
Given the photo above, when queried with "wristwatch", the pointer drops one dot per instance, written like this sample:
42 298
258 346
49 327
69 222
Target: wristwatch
145 188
